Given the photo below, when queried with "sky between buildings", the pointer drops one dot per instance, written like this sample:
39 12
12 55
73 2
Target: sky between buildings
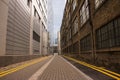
58 9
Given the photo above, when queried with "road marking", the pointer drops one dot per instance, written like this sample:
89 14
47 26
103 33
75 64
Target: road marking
102 70
40 71
4 73
86 76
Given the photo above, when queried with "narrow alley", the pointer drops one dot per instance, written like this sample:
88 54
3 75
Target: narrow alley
59 39
55 68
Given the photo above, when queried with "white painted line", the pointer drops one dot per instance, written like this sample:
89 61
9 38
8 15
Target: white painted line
41 70
86 76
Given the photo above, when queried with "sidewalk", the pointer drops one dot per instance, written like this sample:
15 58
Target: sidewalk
60 69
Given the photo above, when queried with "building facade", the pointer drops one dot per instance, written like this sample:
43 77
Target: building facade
59 44
22 26
90 30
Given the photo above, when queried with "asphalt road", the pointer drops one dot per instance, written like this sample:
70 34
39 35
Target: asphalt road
95 75
25 73
58 69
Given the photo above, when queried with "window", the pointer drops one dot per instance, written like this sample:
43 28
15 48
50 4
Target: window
109 35
74 4
36 37
98 2
75 26
117 31
104 37
76 47
84 13
35 12
28 2
85 43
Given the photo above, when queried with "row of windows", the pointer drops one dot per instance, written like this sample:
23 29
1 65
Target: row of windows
41 9
39 4
84 13
75 26
106 37
85 43
76 47
109 35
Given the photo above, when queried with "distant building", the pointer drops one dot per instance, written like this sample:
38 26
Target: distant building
59 44
55 49
50 23
56 41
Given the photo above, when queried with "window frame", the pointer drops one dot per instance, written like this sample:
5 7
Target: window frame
113 37
84 13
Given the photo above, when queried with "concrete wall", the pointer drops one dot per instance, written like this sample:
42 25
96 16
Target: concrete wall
45 42
3 25
18 28
7 60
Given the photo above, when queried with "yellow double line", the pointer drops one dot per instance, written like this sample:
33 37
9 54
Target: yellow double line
4 73
102 70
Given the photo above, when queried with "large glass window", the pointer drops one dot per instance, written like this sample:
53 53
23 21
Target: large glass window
109 35
85 43
76 47
36 37
117 31
75 26
84 13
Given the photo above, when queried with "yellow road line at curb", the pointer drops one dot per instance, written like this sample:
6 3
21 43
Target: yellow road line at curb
3 73
102 70
18 66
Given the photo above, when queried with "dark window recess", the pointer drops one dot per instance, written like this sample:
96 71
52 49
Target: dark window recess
36 50
76 47
71 49
85 43
36 37
109 35
28 2
35 12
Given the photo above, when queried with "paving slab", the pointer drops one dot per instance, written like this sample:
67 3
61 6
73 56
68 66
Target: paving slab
60 69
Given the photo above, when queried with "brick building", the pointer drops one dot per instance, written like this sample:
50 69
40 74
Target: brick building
90 30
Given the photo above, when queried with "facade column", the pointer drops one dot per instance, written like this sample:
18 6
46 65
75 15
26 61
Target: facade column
3 25
31 28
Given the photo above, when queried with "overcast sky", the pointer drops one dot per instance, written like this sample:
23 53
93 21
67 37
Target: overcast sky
58 9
